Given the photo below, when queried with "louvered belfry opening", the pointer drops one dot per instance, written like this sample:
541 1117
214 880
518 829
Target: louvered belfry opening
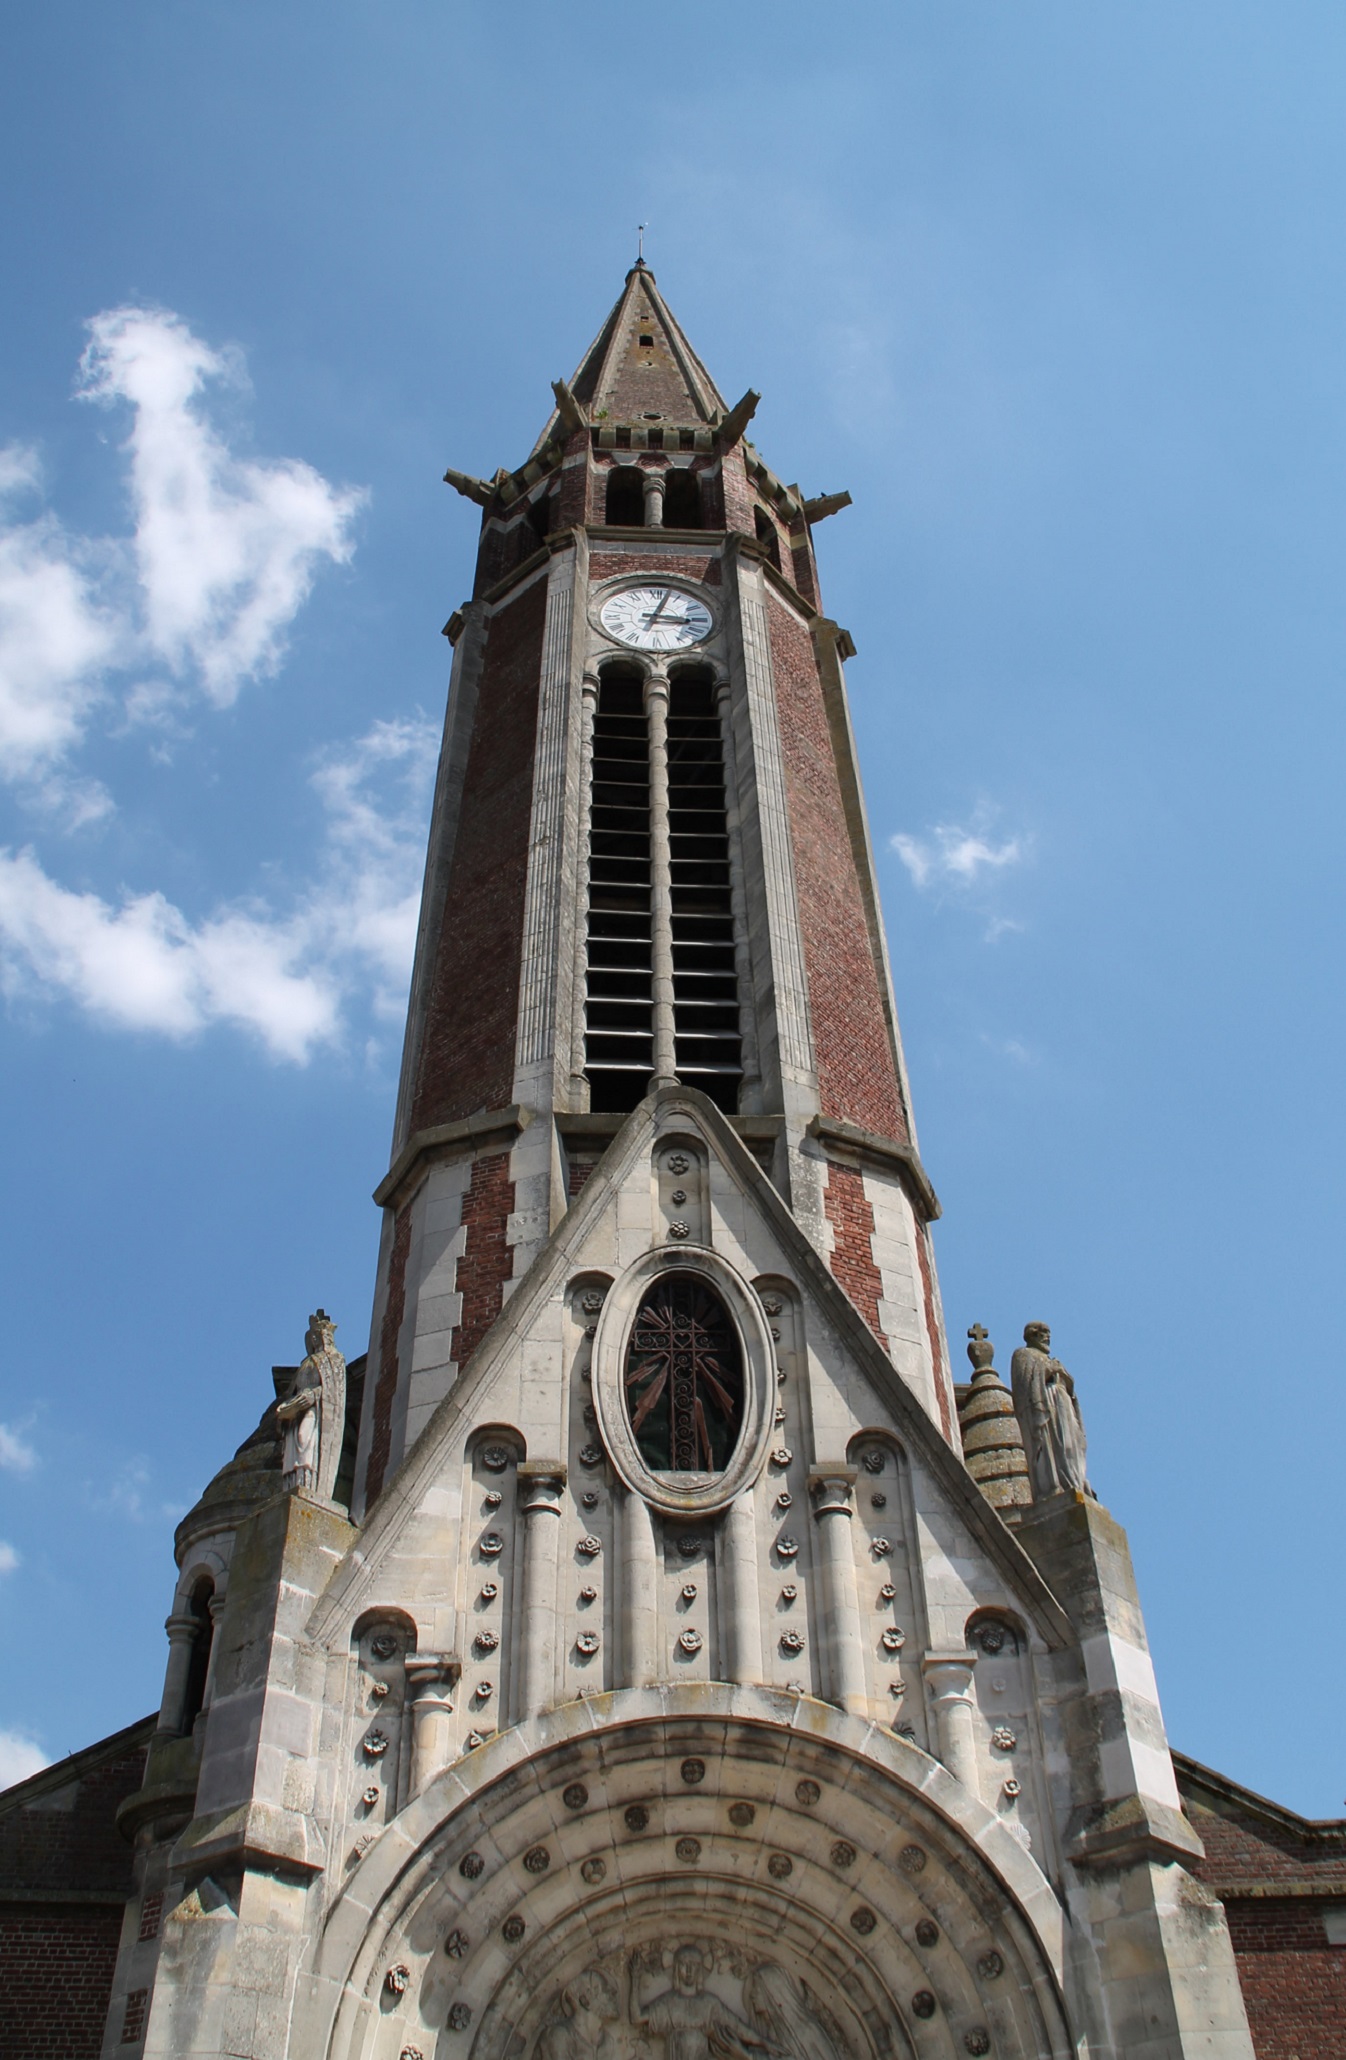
707 1041
619 1041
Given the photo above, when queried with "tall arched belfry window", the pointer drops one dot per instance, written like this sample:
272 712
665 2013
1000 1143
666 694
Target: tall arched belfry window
684 1378
198 1670
695 905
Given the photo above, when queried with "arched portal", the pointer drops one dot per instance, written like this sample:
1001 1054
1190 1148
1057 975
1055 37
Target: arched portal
759 1872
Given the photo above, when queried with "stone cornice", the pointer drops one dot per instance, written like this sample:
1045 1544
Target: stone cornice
628 533
49 1780
471 1133
1226 1798
884 1154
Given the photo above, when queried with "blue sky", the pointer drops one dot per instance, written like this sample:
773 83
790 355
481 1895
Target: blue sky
1059 294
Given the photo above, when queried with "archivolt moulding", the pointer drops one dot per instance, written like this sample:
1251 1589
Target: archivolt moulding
899 1884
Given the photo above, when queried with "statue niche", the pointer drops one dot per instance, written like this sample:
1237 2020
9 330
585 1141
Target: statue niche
683 1378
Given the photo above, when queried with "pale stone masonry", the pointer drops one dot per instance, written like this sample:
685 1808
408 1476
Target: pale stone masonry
657 1682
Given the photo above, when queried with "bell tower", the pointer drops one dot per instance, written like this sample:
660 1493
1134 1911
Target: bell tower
649 864
648 1652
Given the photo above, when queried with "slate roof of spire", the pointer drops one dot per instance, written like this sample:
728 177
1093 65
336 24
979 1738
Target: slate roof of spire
623 379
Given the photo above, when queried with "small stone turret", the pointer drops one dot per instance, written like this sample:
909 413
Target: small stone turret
993 1444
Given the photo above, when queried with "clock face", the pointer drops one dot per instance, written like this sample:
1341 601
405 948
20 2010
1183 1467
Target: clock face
656 618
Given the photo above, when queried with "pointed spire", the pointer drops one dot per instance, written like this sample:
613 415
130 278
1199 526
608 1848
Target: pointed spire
640 368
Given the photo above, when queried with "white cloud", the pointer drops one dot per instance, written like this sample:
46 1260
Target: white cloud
9 1558
224 554
16 1454
377 794
226 548
19 1757
128 1495
950 854
55 638
144 965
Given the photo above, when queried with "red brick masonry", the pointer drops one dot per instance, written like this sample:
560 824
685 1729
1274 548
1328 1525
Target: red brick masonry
857 1075
1282 1879
380 1441
486 1262
851 1215
467 1055
65 1875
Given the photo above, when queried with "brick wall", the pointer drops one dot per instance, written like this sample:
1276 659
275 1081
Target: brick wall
1293 1979
487 1261
56 1969
857 1077
613 564
738 495
385 1388
851 1215
65 1874
467 1055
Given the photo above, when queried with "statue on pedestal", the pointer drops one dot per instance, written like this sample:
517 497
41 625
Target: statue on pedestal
1049 1417
313 1415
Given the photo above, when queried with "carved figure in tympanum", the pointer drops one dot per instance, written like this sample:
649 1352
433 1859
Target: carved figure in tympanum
693 2022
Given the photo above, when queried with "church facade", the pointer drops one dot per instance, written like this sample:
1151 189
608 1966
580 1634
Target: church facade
652 1649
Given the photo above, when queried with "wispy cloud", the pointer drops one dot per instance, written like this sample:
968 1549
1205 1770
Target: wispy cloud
226 548
16 1454
9 1558
197 600
142 964
949 854
56 640
129 1494
19 1757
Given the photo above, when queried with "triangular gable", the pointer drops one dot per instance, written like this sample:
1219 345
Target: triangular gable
527 1317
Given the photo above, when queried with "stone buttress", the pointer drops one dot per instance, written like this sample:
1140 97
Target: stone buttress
657 1681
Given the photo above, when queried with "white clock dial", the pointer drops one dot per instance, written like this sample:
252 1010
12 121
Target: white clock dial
656 618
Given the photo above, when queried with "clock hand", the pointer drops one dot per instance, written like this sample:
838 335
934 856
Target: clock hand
664 600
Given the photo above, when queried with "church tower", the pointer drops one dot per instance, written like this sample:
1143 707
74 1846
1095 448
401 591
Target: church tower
648 1652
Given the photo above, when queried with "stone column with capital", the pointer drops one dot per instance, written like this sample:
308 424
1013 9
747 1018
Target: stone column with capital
744 1615
640 1594
832 1491
948 1677
541 1484
654 500
661 889
579 1079
430 1678
182 1628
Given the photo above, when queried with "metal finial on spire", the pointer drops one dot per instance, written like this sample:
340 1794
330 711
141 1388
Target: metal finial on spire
641 227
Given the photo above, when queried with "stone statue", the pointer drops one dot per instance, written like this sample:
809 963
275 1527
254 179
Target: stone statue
579 2028
789 2016
694 2024
313 1415
1049 1416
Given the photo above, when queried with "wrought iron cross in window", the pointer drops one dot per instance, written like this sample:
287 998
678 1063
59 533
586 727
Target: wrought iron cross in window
684 1378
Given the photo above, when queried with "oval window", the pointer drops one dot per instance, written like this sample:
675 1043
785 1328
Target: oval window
683 1378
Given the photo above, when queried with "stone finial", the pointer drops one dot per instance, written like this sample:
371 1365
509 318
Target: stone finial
993 1445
